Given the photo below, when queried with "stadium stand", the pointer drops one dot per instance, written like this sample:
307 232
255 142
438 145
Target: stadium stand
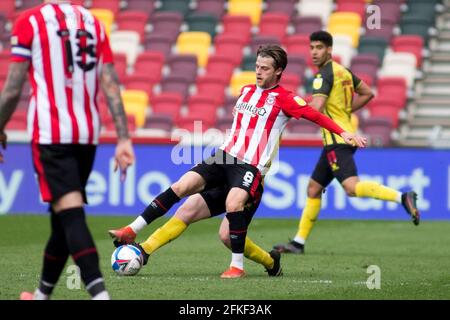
405 59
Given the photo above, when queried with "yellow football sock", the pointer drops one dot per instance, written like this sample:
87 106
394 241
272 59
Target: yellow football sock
253 252
371 189
169 231
309 217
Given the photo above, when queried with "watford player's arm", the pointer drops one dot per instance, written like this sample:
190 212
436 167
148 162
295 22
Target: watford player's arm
364 95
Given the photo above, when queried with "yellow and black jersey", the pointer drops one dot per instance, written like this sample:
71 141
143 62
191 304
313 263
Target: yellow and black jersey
338 84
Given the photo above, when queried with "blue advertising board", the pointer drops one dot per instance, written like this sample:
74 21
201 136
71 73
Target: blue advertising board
426 171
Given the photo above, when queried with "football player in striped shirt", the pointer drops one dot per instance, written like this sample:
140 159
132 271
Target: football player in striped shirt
260 115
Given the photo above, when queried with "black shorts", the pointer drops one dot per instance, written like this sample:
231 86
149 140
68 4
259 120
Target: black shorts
222 169
336 161
215 200
62 168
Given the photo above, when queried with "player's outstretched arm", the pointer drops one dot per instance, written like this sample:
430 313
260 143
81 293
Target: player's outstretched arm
315 116
353 139
124 156
10 96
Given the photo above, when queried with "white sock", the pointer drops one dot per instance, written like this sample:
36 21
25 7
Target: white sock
138 224
38 295
399 197
104 295
237 260
299 240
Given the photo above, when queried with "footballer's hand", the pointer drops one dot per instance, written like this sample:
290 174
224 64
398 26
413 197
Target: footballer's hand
124 157
3 139
354 140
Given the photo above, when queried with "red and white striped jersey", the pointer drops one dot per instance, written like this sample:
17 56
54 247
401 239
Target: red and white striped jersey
260 116
66 46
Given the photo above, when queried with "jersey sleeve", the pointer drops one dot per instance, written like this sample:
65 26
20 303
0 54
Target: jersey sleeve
323 81
106 52
356 81
21 40
293 106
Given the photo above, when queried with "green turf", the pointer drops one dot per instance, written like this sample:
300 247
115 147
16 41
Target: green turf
414 261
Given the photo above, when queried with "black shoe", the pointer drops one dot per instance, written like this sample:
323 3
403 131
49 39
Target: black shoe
409 200
145 255
290 247
118 243
276 270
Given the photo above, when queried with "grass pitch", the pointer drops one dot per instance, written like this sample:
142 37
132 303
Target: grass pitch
414 261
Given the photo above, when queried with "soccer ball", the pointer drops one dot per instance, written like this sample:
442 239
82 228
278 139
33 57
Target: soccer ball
127 260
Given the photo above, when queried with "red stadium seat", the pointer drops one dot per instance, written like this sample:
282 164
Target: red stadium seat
203 105
213 7
144 82
394 88
214 86
147 6
18 120
166 23
113 5
158 42
274 24
299 44
386 107
230 45
194 123
357 6
290 81
409 43
261 40
8 8
378 130
183 65
239 26
387 112
281 6
150 63
159 121
168 103
306 24
132 21
221 66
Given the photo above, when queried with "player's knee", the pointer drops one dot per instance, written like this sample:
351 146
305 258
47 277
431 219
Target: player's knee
179 188
224 236
234 206
350 191
314 192
189 211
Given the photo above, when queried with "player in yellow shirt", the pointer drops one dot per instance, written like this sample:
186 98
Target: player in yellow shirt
333 89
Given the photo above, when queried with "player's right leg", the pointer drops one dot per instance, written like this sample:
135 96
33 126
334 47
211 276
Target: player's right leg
191 182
